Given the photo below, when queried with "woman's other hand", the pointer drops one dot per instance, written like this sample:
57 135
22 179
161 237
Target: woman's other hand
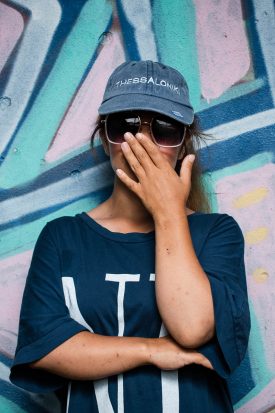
159 187
166 354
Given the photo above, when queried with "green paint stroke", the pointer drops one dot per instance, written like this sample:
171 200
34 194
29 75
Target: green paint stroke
35 134
8 406
174 24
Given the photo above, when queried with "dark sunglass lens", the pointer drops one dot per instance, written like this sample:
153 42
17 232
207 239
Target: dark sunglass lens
120 123
167 132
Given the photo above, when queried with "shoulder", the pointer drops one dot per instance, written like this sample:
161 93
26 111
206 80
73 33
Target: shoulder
61 221
223 231
226 223
216 220
61 228
211 230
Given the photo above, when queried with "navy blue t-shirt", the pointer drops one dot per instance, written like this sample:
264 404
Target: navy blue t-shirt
84 277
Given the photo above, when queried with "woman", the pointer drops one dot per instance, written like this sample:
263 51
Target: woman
139 304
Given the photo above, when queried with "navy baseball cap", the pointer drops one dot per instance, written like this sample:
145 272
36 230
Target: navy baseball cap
148 85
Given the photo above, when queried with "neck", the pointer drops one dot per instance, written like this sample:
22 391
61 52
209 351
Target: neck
124 206
124 202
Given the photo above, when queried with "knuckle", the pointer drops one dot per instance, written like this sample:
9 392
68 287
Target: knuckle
134 166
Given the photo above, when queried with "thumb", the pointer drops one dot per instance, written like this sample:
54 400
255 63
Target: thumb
186 168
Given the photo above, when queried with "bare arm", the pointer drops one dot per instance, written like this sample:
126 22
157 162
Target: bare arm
89 356
182 288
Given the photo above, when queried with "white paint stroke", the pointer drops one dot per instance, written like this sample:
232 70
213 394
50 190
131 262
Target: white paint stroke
238 127
265 24
139 15
65 190
38 34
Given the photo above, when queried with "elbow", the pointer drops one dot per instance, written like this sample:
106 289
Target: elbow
195 340
35 364
39 363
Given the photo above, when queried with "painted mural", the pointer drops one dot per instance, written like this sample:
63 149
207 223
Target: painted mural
55 57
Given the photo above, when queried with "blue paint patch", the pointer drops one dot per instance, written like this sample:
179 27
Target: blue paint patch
238 108
253 38
239 149
128 33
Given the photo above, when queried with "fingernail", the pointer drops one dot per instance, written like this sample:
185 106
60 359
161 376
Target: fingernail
191 157
128 135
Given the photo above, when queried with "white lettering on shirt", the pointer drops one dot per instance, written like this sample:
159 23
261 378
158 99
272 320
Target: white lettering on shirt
169 379
121 279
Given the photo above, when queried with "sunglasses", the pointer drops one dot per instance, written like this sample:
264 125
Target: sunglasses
165 131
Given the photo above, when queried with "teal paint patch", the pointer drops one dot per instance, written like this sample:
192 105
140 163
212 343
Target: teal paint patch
174 24
23 161
8 406
210 190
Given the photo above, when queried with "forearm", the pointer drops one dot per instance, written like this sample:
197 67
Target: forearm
88 356
183 290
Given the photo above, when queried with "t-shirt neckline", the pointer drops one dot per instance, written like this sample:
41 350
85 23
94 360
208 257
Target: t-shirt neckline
119 236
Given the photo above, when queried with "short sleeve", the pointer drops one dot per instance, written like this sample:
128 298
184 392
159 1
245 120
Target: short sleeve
222 259
44 321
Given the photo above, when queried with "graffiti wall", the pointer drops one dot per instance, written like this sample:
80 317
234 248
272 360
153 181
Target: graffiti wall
55 57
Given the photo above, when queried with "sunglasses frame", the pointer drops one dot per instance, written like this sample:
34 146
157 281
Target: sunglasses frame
143 123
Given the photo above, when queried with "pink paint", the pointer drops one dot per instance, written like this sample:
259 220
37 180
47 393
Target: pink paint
14 271
263 402
259 255
11 28
79 121
222 45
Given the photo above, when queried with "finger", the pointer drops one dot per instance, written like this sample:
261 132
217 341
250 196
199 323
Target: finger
132 160
186 168
140 153
130 183
152 150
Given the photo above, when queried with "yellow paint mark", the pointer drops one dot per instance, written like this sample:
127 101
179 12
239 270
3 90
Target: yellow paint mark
260 275
251 197
256 235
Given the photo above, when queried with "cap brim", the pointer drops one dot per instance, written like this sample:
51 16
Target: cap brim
134 101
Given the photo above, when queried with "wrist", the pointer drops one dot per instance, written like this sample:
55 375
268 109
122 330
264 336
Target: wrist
168 218
149 345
